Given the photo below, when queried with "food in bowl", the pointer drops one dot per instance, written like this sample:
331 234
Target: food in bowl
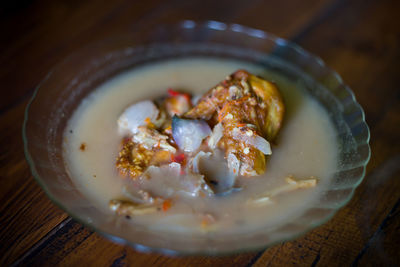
193 159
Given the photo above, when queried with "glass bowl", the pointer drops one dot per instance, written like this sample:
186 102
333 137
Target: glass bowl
62 90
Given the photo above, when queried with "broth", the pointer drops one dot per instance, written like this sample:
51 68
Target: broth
306 147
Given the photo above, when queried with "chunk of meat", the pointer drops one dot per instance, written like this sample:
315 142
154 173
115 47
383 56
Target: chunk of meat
272 106
268 111
134 159
152 139
236 116
247 103
177 103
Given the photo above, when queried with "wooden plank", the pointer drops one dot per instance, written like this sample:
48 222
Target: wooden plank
285 18
43 34
360 42
382 248
26 214
74 244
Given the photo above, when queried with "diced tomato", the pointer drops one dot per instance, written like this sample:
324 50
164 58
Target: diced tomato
180 158
166 205
173 93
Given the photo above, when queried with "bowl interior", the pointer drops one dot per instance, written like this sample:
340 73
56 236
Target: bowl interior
62 90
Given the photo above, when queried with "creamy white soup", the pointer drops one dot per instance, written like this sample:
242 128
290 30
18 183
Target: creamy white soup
304 154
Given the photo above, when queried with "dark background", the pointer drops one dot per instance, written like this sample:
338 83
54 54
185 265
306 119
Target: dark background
359 39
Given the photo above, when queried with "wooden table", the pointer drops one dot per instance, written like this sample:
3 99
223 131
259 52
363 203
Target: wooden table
360 39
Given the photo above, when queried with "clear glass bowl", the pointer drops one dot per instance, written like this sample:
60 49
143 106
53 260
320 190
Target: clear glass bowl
59 94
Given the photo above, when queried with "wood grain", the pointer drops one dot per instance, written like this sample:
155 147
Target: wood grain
51 30
26 214
359 39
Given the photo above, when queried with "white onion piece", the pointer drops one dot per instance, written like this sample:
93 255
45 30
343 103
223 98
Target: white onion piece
175 168
195 162
233 164
216 172
135 116
216 135
254 140
262 144
188 134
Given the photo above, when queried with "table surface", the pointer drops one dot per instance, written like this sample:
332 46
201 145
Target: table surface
360 39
